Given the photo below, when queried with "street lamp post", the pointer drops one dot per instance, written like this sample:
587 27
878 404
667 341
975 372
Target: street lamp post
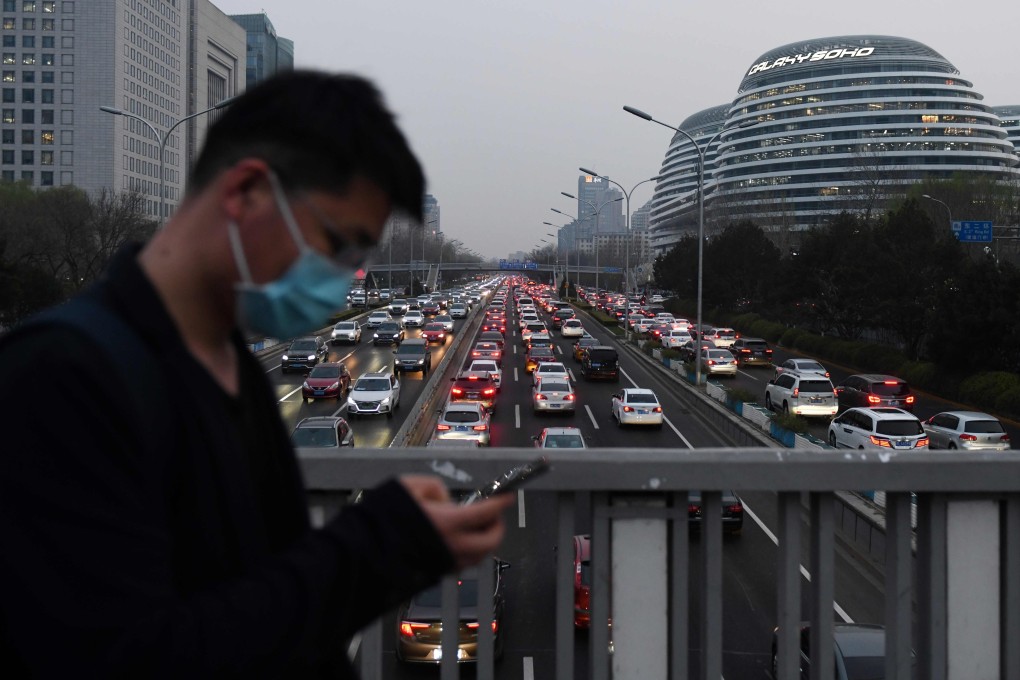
162 140
944 205
557 250
595 237
577 253
701 212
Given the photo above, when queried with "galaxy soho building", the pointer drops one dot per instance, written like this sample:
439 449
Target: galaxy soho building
843 123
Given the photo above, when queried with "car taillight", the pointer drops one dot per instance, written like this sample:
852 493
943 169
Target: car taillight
407 628
442 428
735 509
968 438
880 441
888 382
872 399
745 351
480 428
628 409
476 354
796 392
657 409
693 509
569 397
711 362
457 392
921 443
541 397
910 399
489 392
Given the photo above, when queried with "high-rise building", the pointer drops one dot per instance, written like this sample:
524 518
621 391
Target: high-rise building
639 218
63 60
1009 119
430 214
267 53
592 193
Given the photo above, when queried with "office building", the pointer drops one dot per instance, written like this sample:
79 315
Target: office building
267 54
430 215
1009 120
593 193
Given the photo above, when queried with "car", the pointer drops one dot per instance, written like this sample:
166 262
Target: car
636 406
658 299
874 389
722 337
422 299
434 332
326 381
346 331
492 336
536 356
967 430
385 294
446 320
561 315
524 319
582 344
560 438
322 432
802 366
530 329
539 338
458 310
658 329
303 354
380 316
497 324
633 319
414 319
582 581
802 394
488 366
431 308
642 325
689 350
553 395
388 333
859 650
487 350
474 386
718 362
550 370
732 512
600 362
398 307
413 355
463 421
420 620
374 394
675 339
751 352
359 298
881 428
572 328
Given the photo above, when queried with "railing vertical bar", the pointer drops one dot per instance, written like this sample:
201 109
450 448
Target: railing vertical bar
449 668
897 586
679 597
788 596
565 586
370 651
600 587
931 585
822 581
486 586
711 585
1011 587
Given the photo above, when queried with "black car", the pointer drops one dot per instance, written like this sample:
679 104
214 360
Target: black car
859 649
600 362
732 512
303 354
869 390
413 355
388 333
751 352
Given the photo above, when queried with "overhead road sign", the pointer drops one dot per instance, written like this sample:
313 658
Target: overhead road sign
973 231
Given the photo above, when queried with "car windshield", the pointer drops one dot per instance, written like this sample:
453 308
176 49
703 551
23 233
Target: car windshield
467 594
489 346
489 366
389 328
314 437
461 417
816 386
719 354
810 366
473 383
547 386
564 441
408 348
726 334
536 327
372 385
434 327
379 315
899 428
896 389
325 372
344 326
304 346
542 352
602 354
552 368
641 399
983 427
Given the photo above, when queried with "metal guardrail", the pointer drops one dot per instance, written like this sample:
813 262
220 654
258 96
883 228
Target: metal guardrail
967 591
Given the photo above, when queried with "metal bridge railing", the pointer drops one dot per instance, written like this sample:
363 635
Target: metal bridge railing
967 588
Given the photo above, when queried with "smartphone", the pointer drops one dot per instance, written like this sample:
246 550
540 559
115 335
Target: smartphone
510 480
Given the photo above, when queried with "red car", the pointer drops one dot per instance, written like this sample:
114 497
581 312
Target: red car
498 325
582 581
326 381
434 332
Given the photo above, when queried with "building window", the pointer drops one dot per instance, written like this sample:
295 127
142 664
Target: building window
8 95
47 117
28 41
10 41
47 60
67 137
10 58
7 175
8 116
8 156
46 137
67 158
28 136
67 7
10 5
48 24
67 41
28 76
8 136
8 76
47 77
46 178
28 5
28 116
67 96
49 42
45 158
67 24
66 77
47 96
27 95
28 24
28 58
49 6
27 176
27 157
9 23
66 177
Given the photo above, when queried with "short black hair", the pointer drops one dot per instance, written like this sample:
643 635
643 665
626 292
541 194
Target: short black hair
317 131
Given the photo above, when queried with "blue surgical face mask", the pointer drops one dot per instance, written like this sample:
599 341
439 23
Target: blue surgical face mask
300 301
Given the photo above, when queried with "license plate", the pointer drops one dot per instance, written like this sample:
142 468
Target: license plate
643 412
895 402
319 393
816 400
462 428
903 443
555 405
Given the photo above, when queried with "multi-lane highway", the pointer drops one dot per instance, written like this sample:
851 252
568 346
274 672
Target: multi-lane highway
749 579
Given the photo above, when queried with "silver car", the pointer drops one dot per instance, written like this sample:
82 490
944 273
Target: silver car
464 420
346 331
968 430
718 362
553 395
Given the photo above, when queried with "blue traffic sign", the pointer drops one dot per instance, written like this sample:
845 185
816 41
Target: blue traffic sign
612 270
973 231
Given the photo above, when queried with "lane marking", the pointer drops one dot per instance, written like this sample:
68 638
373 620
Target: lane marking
678 433
591 415
520 508
342 408
529 668
515 349
559 350
746 374
835 605
573 378
517 416
284 398
515 374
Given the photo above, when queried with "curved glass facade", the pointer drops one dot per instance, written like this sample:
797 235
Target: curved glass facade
842 123
1009 120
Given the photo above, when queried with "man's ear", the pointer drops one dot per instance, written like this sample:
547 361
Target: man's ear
243 187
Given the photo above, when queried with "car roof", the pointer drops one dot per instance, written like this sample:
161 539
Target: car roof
638 390
855 640
886 413
319 421
562 430
377 374
463 406
877 377
969 415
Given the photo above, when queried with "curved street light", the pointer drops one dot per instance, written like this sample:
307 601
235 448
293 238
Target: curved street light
944 205
701 209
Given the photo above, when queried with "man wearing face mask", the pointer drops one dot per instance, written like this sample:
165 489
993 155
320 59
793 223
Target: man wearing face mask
167 535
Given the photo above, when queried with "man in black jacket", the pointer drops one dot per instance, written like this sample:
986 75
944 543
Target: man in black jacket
170 538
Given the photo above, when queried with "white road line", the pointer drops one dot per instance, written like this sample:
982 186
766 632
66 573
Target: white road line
515 349
520 508
343 407
678 433
746 374
835 605
559 349
591 415
529 668
515 374
624 374
352 649
517 416
284 398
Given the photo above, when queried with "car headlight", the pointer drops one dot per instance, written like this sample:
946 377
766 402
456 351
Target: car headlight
386 401
284 357
334 386
305 385
351 404
311 357
421 361
375 335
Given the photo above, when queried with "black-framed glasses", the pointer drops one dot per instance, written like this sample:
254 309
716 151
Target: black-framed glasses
346 252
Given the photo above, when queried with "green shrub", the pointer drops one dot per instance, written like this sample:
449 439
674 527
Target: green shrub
878 358
843 351
984 389
808 342
790 337
791 422
1008 403
741 394
670 353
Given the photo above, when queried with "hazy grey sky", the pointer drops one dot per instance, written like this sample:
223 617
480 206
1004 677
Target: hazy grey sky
503 101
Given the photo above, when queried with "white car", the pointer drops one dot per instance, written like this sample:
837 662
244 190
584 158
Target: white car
722 337
378 317
414 318
718 362
560 438
550 370
636 406
458 310
676 338
572 328
967 430
553 395
657 298
374 393
801 366
488 366
882 428
524 319
346 331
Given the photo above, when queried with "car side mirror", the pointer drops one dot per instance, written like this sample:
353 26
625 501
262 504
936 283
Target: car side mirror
503 566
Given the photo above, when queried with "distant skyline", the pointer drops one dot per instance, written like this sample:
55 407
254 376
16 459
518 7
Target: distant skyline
503 102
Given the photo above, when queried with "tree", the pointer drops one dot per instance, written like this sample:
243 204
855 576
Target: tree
739 263
677 270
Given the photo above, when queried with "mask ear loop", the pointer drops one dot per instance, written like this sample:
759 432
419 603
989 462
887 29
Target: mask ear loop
288 216
238 251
